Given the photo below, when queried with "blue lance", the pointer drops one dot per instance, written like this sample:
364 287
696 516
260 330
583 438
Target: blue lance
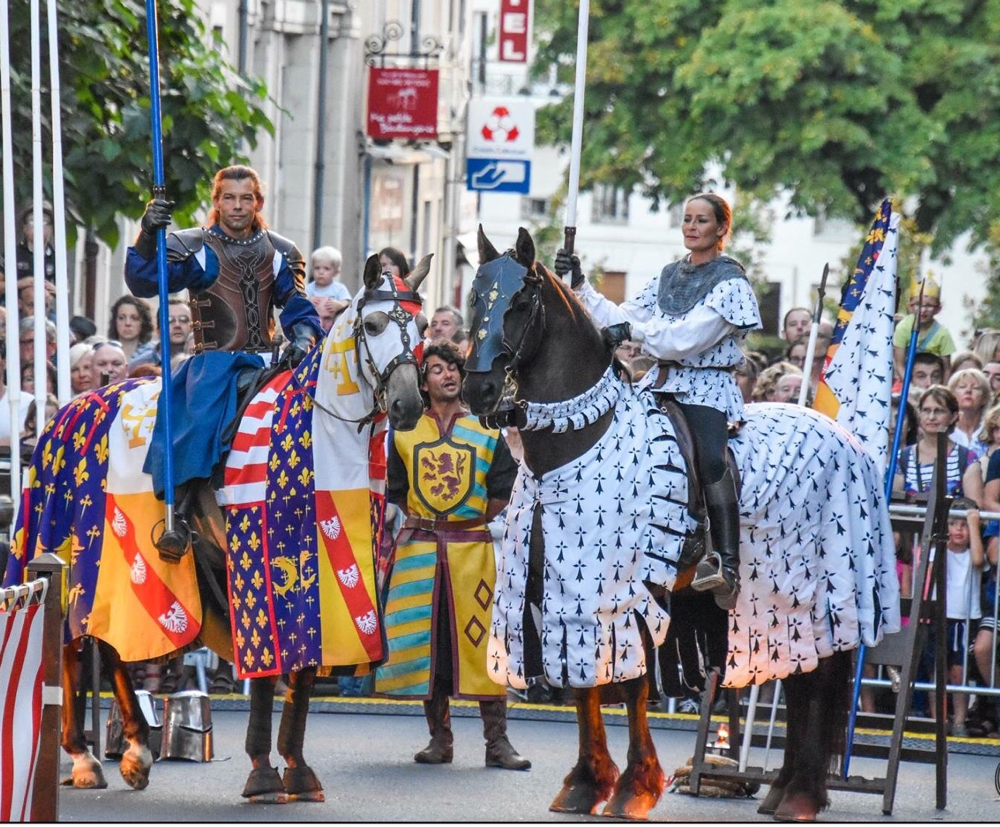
171 538
897 437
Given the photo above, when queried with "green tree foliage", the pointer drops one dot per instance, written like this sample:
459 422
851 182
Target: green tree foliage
837 103
987 313
208 110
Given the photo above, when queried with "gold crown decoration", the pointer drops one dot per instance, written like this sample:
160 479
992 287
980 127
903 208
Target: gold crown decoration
932 290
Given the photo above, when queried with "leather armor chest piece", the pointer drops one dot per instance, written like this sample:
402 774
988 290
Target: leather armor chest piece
235 312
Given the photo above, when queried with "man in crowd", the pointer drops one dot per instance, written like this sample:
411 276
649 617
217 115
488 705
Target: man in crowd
237 272
992 371
180 327
928 369
109 364
796 324
451 476
445 323
26 338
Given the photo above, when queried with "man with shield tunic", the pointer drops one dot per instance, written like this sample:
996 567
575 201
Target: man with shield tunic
451 476
236 272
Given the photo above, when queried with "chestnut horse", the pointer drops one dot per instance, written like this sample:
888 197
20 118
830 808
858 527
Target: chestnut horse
599 534
372 351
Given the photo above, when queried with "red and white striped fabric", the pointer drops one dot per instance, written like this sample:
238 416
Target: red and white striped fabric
246 466
20 704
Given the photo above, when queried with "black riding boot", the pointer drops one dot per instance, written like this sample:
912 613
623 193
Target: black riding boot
719 572
499 750
440 750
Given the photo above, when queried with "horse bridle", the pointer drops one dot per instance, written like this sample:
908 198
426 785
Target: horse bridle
400 317
519 355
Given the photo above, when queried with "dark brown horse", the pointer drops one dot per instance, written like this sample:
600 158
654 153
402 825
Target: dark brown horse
539 363
379 333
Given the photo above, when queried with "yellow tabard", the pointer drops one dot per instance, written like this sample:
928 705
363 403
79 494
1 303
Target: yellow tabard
447 481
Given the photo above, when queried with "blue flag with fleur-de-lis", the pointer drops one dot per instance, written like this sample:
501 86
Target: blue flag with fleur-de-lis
856 385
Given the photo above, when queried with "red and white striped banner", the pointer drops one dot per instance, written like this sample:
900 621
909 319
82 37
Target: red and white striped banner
21 699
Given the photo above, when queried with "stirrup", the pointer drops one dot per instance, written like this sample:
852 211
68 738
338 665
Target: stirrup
708 574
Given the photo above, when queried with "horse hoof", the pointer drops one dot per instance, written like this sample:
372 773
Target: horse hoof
135 766
85 781
633 806
798 807
301 784
577 799
771 801
268 798
87 775
264 787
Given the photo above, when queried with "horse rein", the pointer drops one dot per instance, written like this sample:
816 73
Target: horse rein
399 316
519 355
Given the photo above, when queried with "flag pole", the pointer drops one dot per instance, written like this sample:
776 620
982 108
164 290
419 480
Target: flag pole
63 388
38 223
813 335
576 147
10 247
171 541
890 472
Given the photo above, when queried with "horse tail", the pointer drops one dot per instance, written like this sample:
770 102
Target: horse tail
838 689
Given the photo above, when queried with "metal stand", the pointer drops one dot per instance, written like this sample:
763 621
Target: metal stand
901 649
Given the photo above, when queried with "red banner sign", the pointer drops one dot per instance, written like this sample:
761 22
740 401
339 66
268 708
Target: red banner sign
403 103
515 17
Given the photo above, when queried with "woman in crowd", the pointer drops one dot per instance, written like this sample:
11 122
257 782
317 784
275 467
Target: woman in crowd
987 345
132 325
81 357
393 261
989 437
972 390
965 359
795 353
938 412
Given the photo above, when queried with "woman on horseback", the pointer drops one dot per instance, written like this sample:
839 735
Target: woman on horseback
692 319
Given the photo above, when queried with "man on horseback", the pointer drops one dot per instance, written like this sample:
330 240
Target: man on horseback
236 271
451 476
692 319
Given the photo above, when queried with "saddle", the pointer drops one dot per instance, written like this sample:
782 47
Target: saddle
695 546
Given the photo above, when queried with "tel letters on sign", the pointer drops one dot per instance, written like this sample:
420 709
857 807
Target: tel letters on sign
515 25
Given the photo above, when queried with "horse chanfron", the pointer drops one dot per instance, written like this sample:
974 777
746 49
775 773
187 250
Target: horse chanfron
390 328
503 312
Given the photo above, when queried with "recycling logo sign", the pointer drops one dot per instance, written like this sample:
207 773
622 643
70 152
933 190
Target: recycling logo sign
501 137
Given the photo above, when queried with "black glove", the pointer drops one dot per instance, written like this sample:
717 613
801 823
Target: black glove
296 352
615 334
569 263
156 217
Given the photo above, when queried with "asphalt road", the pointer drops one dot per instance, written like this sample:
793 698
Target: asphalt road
365 764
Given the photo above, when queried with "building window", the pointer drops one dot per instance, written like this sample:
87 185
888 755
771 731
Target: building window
675 213
612 285
610 205
833 229
769 300
534 208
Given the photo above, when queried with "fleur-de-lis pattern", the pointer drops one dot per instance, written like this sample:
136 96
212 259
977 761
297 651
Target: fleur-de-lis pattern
64 506
274 529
